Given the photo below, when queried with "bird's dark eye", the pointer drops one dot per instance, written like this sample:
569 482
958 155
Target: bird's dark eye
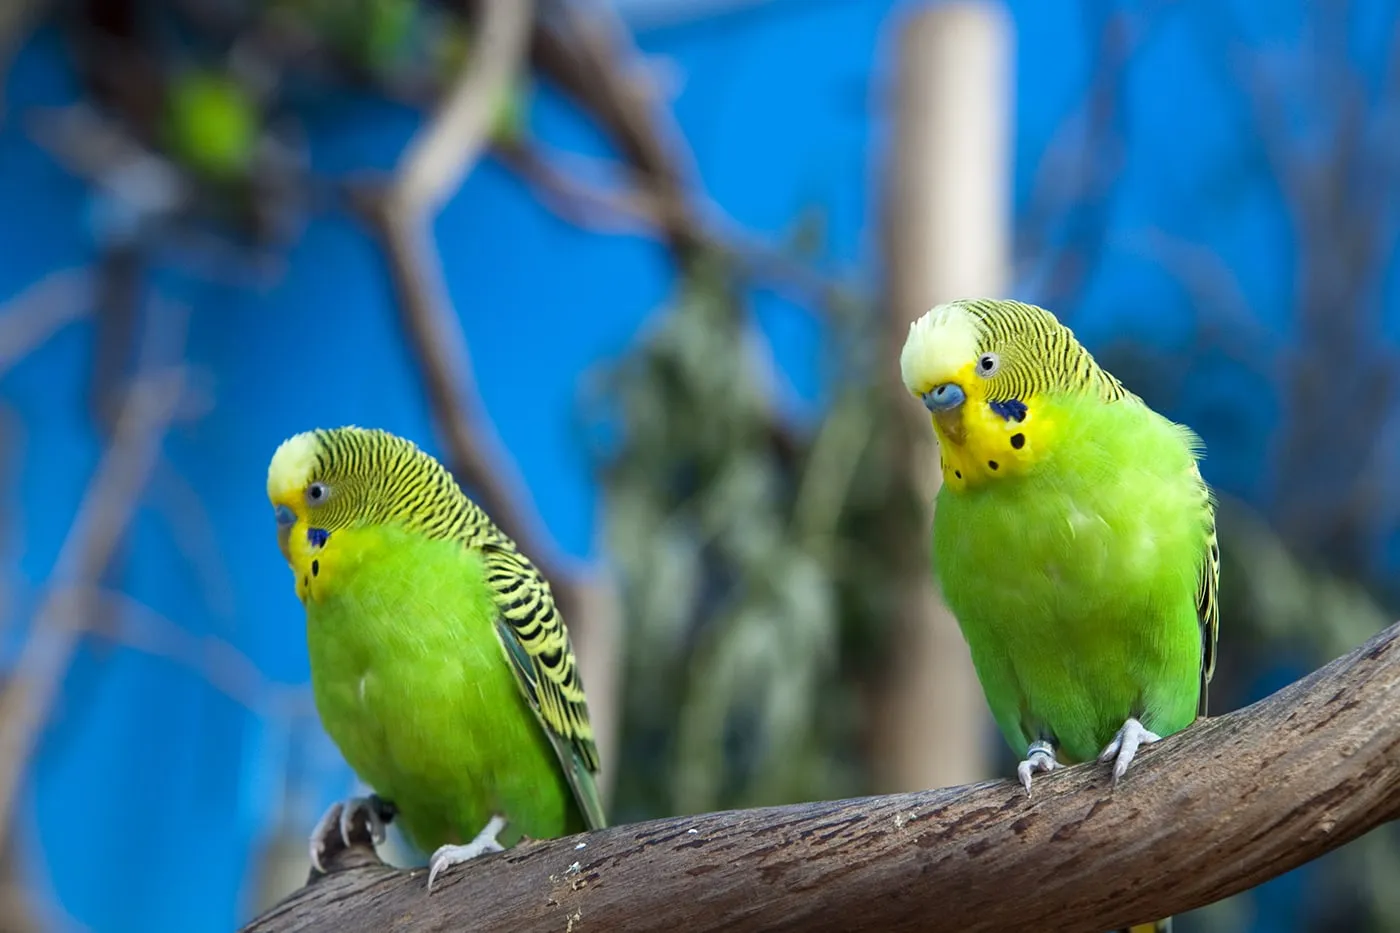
988 364
317 492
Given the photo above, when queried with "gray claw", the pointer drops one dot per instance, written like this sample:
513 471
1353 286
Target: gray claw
1040 757
1124 746
340 817
485 843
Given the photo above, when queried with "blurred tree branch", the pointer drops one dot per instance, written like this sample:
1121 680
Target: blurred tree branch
107 508
1264 789
587 52
17 17
1061 234
400 212
590 57
1332 156
34 315
215 661
439 157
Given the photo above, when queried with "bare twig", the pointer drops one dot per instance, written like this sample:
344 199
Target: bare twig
475 451
401 217
440 156
117 312
616 209
106 509
16 19
1214 288
36 314
589 55
217 662
1337 186
1064 227
1263 790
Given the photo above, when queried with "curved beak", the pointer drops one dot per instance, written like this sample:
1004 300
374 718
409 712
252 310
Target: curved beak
945 402
286 518
945 397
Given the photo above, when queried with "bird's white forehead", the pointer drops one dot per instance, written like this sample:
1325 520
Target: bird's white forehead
292 464
939 344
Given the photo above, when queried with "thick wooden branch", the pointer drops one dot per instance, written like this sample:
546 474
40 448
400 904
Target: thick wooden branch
1221 807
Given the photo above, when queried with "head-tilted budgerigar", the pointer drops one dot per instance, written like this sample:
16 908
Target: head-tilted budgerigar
1074 539
439 663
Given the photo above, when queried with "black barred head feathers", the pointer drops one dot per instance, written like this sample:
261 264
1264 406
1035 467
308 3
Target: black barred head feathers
998 352
325 480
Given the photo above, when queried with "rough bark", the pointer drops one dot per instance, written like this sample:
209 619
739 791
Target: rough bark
1223 806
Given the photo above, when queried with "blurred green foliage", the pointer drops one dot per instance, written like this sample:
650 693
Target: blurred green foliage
213 123
756 560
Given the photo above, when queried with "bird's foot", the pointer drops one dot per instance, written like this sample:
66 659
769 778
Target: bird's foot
484 844
1125 745
339 819
1039 757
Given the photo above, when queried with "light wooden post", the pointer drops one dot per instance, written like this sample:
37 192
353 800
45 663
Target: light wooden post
947 236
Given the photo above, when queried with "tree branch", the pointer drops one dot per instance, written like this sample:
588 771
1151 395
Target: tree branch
17 18
401 214
440 156
34 315
1262 790
590 57
107 508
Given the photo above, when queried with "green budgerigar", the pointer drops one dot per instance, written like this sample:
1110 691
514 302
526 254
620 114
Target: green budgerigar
440 665
1074 539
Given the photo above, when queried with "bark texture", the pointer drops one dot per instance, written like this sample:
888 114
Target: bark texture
1223 806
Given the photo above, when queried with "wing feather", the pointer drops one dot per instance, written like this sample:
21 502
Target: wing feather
1207 604
537 645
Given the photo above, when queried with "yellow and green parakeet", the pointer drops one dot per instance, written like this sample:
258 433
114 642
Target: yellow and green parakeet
440 665
1074 539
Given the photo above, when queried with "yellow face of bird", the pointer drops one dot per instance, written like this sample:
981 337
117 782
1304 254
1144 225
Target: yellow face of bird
981 368
296 491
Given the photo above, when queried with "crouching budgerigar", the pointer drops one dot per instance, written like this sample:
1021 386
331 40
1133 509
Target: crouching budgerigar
1074 538
440 665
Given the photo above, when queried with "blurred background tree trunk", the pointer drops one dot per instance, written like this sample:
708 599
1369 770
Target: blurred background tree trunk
947 236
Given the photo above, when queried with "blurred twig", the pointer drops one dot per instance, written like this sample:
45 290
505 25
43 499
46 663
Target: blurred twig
564 182
1062 232
33 316
1332 158
401 214
440 155
217 662
16 18
590 56
106 509
120 279
587 51
475 452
